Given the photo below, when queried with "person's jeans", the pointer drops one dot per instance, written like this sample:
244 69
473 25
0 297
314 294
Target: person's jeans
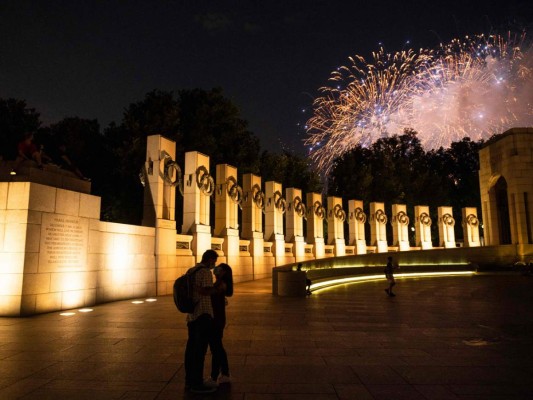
199 335
219 359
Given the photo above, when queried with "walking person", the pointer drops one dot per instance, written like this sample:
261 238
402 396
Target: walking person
200 324
223 287
389 274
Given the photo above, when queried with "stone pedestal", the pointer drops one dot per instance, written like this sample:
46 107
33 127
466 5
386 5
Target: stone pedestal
470 227
199 186
336 218
315 223
294 231
446 227
400 227
356 226
378 227
423 227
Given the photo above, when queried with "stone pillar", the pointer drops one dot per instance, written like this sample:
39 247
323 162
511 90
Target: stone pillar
161 175
296 210
252 213
228 196
275 207
400 227
378 227
470 227
199 186
336 218
356 226
446 227
315 224
423 227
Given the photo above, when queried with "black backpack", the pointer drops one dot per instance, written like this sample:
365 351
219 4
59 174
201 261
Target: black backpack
183 291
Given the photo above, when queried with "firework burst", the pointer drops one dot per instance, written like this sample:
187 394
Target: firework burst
474 87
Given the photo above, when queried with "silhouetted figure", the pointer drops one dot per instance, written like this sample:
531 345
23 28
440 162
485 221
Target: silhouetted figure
223 287
27 150
307 280
65 162
200 324
389 274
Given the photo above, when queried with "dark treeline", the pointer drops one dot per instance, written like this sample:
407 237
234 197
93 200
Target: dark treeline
200 120
397 170
393 170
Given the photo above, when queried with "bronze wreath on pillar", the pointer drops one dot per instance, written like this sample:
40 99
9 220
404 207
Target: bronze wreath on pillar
318 210
339 213
279 202
472 220
205 182
258 196
447 219
425 219
402 218
381 218
359 215
299 207
234 190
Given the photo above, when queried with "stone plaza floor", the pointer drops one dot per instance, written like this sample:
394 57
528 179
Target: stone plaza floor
440 338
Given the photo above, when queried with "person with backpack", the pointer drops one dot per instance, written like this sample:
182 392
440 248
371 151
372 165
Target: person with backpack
200 324
223 287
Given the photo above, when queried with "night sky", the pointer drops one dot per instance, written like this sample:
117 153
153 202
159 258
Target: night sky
93 58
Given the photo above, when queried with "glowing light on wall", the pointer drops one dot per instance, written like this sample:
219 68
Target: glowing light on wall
368 278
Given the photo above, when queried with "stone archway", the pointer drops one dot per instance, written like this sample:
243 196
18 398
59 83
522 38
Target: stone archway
502 210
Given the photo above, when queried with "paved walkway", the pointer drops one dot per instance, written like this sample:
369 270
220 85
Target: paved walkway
440 338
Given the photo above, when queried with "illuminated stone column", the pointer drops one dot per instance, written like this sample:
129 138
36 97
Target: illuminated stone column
275 207
315 224
446 227
228 196
470 227
423 227
336 218
400 227
296 210
356 226
198 188
160 174
252 213
378 227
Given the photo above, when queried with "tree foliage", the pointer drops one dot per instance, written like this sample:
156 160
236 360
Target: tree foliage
397 170
16 118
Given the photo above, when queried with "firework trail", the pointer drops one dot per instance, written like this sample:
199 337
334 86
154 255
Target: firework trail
474 87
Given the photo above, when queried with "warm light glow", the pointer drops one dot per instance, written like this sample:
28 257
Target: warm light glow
150 300
85 310
67 314
368 278
137 302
